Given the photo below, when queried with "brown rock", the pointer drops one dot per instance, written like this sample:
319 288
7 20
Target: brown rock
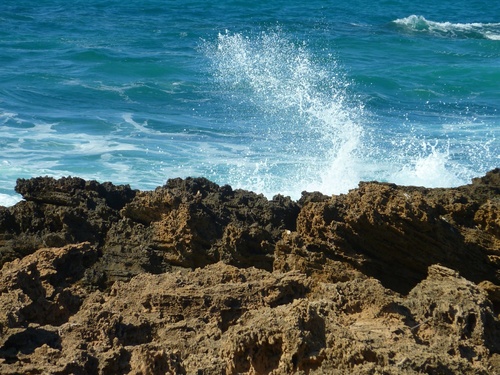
198 278
39 287
395 233
57 213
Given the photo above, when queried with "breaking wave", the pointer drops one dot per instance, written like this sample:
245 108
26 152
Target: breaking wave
419 24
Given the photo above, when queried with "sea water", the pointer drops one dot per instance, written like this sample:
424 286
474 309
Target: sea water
276 97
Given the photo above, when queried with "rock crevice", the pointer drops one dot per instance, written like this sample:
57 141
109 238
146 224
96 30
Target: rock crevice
194 277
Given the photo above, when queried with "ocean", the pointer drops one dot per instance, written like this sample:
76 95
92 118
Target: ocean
274 97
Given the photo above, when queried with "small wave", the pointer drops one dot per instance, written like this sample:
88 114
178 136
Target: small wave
6 117
492 36
474 30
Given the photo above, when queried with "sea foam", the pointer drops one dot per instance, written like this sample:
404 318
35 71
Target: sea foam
476 30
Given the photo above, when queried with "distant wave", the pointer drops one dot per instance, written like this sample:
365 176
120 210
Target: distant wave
473 30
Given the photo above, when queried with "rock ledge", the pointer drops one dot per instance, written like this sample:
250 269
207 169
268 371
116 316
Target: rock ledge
199 278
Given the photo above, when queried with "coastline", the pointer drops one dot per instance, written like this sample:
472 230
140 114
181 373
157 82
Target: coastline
192 276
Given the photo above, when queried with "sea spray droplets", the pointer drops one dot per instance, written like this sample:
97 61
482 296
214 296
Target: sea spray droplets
431 166
310 132
301 106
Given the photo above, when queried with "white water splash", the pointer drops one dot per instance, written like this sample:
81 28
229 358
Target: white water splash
9 200
308 132
304 114
431 168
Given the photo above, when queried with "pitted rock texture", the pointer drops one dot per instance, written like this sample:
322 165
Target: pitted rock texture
199 278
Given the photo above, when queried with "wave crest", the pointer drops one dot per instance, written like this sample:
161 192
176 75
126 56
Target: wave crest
475 30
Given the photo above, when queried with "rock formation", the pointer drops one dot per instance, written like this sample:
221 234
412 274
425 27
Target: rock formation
199 278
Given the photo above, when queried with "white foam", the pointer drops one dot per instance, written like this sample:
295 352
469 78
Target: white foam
492 36
421 24
8 116
433 168
9 200
128 118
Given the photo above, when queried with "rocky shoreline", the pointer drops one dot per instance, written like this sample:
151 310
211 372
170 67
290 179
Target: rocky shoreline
196 278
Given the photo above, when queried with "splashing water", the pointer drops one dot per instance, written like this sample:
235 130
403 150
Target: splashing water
313 132
429 168
277 115
307 131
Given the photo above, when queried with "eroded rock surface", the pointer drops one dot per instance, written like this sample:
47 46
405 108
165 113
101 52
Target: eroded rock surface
199 278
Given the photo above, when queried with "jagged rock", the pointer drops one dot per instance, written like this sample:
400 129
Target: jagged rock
194 222
395 233
73 191
199 278
59 212
38 288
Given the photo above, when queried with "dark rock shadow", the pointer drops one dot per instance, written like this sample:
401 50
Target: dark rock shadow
27 341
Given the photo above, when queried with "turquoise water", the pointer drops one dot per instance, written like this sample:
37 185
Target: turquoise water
277 97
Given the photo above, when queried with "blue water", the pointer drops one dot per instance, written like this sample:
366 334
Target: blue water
276 97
